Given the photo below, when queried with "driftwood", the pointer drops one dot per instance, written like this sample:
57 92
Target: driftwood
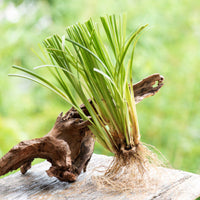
70 143
169 184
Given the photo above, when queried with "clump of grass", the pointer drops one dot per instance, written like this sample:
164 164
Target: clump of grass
84 64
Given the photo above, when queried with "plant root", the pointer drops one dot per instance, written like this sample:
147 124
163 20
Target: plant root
130 170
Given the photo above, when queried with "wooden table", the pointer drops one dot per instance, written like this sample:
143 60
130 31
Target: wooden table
173 184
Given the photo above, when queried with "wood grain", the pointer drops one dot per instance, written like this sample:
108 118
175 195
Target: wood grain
36 184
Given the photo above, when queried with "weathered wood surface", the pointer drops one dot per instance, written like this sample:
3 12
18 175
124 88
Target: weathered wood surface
36 184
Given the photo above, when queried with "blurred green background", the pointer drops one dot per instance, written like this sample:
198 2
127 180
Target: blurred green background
171 46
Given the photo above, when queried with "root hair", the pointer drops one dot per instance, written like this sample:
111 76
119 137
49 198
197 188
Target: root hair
130 170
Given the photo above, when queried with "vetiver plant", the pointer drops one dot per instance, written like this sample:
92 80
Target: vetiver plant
85 66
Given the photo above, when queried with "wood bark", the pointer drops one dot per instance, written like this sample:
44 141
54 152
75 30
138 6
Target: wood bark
69 145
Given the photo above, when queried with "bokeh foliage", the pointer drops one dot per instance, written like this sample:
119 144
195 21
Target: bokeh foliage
170 120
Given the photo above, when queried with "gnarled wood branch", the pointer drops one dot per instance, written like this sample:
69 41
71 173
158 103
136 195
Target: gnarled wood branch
56 151
147 87
70 143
